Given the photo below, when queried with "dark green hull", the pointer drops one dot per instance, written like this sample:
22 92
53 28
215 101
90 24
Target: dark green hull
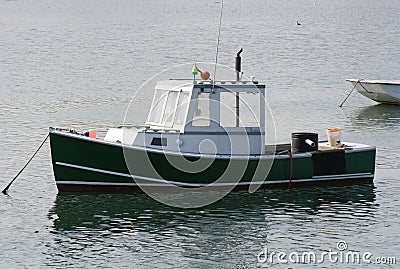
84 164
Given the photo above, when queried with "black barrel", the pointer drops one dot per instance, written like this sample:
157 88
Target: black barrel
304 142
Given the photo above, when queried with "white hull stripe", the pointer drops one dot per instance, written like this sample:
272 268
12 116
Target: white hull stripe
165 182
122 175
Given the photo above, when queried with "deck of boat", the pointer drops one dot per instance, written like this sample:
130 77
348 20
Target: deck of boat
323 146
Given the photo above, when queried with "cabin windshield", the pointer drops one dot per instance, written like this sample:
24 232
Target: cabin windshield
169 109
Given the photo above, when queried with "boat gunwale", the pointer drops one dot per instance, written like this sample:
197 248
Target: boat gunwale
385 82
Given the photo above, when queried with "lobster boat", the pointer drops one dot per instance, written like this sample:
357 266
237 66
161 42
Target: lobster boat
203 133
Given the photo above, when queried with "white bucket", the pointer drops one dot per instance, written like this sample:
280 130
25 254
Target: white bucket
334 137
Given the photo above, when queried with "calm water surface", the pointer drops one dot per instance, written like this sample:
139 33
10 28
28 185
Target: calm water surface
77 64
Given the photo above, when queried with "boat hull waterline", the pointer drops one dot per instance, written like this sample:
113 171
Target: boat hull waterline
83 164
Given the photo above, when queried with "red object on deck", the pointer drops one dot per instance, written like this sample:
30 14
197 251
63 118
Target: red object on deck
91 133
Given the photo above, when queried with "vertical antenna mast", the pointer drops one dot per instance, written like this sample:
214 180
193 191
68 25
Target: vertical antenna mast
219 34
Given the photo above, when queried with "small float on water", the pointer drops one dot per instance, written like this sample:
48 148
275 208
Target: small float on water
185 143
382 91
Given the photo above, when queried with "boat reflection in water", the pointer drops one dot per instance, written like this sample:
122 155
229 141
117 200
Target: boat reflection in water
135 212
384 116
133 230
376 123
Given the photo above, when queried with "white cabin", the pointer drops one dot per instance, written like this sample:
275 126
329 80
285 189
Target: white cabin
202 117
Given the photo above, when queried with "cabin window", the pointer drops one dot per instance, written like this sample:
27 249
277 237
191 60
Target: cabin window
201 115
157 107
169 111
227 112
181 108
159 141
249 109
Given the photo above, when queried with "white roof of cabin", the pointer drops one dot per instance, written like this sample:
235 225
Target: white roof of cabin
175 85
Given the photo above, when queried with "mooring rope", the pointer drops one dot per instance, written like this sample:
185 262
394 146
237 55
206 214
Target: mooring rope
34 154
358 81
